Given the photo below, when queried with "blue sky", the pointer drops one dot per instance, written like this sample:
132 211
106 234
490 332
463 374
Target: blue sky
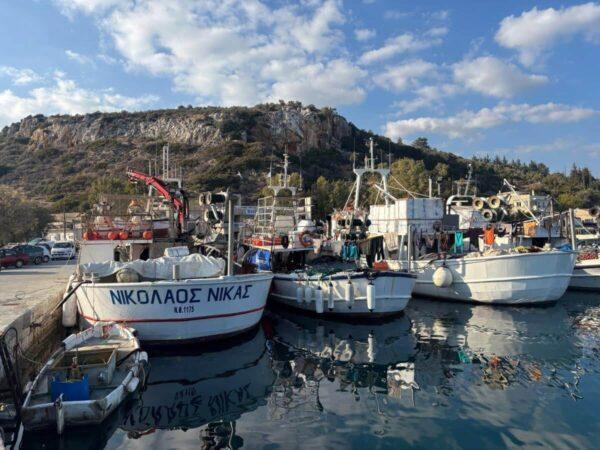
519 79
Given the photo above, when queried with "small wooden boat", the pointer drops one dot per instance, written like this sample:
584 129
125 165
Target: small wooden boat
86 379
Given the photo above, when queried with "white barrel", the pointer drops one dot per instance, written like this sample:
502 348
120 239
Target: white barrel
349 293
330 304
299 293
69 312
308 293
319 300
371 296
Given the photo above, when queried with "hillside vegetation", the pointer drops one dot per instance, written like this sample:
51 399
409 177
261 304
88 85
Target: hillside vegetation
64 160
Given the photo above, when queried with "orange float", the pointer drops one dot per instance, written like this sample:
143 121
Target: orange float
147 234
113 236
123 235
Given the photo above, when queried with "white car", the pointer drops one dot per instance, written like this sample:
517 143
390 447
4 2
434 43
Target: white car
63 250
47 254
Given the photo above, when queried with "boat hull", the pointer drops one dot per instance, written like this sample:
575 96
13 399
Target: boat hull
515 279
183 310
586 276
393 291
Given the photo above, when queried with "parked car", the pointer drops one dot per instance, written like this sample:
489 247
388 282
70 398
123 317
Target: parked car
10 257
46 250
63 250
36 254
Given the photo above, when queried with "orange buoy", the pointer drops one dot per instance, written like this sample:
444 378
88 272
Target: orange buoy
87 236
113 236
95 235
147 234
123 235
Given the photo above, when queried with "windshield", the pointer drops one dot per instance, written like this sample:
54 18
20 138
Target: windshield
62 245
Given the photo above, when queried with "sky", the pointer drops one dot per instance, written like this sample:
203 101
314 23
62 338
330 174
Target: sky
517 79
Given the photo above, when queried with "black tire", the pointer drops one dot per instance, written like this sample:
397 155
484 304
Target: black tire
19 263
37 260
46 258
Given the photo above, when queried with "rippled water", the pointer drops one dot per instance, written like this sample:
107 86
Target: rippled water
444 375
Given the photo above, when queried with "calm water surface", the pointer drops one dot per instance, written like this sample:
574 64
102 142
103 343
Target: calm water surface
445 375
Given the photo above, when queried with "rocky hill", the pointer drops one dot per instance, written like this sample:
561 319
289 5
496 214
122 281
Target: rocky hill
58 158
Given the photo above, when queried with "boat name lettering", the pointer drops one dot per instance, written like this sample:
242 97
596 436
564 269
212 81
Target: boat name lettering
178 296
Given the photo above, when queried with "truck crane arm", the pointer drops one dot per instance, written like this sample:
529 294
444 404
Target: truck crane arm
180 204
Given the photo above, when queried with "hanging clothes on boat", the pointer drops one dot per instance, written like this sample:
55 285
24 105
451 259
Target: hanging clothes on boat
489 236
372 248
458 242
350 251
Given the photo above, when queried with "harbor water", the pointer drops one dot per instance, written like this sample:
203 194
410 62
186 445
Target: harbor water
443 375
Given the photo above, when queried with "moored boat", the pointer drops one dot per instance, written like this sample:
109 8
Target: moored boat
86 379
511 278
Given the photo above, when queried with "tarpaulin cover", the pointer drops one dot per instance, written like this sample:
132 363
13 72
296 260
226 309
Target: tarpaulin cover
191 266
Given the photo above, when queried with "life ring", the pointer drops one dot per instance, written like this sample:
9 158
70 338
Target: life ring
306 239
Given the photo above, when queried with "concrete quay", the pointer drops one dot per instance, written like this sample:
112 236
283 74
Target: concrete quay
27 298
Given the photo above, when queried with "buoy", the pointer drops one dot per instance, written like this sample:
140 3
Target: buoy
123 235
308 293
319 300
371 296
349 293
147 235
69 312
133 384
113 236
442 277
330 295
88 236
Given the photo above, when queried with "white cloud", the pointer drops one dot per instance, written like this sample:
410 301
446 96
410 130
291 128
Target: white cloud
437 31
65 96
70 7
403 76
78 57
364 34
20 76
536 30
403 43
429 96
237 51
491 76
469 122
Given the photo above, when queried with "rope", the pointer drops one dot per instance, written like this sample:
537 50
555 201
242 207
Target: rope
411 193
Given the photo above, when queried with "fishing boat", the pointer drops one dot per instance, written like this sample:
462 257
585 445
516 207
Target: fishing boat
451 265
86 379
163 286
510 278
310 274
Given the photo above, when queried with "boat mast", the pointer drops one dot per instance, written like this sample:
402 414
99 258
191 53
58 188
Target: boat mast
370 168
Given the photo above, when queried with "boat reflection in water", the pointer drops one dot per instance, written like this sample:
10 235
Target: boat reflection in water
208 391
330 366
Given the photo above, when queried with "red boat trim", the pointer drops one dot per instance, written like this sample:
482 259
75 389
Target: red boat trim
182 319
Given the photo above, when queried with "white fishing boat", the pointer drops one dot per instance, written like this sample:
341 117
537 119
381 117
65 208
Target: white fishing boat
172 298
86 379
284 238
512 278
352 293
586 275
158 287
